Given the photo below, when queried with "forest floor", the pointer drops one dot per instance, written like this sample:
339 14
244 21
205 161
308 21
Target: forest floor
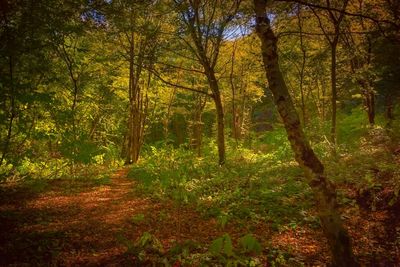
76 223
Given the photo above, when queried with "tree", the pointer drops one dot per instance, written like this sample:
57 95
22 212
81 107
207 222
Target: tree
335 18
242 71
323 190
137 33
206 22
25 59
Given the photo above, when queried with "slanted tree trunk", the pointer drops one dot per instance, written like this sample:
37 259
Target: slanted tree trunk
323 190
216 95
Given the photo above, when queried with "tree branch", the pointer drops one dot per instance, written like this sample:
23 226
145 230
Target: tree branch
155 73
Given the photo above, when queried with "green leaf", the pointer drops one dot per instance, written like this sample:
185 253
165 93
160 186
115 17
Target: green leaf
216 245
222 220
145 239
228 247
250 244
136 219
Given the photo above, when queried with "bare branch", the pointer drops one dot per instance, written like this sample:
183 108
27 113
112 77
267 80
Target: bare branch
155 73
313 5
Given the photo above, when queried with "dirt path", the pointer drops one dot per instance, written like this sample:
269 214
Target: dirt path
74 224
70 224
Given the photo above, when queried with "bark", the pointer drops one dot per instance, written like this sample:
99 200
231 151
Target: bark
370 92
136 103
371 111
141 55
334 90
369 103
323 190
216 95
220 125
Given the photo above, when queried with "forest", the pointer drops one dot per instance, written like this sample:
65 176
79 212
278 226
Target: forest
199 133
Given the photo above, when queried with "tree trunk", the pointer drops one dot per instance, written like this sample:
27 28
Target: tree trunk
132 95
138 57
370 99
323 190
334 91
207 37
135 122
323 102
212 81
220 128
216 94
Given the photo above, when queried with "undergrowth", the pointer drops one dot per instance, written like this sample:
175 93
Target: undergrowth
251 186
261 182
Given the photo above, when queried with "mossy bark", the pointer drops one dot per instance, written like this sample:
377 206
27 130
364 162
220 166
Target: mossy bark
323 190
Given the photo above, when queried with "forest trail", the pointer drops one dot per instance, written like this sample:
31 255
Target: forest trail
73 223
